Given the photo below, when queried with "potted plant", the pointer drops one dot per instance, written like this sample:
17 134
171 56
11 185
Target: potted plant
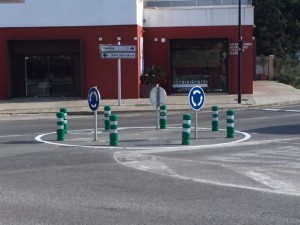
151 76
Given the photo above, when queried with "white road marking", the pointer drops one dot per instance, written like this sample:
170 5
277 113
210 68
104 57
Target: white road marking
237 162
15 135
39 139
246 164
268 117
282 110
273 110
247 136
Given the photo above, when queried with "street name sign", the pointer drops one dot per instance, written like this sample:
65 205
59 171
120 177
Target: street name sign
117 51
117 48
109 51
117 55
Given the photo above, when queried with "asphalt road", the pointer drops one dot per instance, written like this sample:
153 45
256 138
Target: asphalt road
255 180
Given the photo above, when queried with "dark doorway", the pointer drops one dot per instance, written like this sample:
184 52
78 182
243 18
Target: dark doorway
45 68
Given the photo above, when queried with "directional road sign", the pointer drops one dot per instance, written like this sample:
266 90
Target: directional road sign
94 98
118 55
117 48
196 98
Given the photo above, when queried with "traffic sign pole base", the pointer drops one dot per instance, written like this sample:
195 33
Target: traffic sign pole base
113 136
163 117
230 124
186 142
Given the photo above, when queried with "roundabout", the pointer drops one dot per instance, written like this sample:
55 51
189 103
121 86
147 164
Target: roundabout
144 138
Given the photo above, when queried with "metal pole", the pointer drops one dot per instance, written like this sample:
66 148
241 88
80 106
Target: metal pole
240 49
26 88
157 106
196 124
95 123
119 79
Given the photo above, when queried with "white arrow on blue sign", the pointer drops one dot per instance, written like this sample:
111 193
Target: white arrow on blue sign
196 98
94 98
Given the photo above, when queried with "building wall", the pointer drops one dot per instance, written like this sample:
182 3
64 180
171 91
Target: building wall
58 13
157 52
196 23
82 20
102 21
197 16
95 71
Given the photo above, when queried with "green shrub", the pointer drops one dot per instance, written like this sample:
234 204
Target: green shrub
287 71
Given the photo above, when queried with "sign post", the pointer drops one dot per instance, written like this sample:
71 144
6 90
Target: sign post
158 97
119 79
94 102
196 101
118 52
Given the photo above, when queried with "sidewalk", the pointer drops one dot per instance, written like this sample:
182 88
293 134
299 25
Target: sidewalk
265 94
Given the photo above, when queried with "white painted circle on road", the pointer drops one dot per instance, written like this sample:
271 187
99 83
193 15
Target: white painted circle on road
40 138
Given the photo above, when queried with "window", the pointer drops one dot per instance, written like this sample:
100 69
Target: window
49 75
202 62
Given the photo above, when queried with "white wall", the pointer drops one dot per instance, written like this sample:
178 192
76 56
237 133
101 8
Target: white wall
44 13
197 16
139 12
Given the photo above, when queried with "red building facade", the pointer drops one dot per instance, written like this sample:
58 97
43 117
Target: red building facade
60 57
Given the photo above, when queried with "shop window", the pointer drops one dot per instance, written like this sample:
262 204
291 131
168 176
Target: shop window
49 75
202 62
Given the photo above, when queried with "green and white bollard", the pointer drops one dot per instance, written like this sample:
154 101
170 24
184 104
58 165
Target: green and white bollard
163 117
215 118
107 113
113 136
186 129
65 112
230 124
60 127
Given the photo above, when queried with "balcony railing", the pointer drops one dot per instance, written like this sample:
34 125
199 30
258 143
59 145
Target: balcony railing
178 3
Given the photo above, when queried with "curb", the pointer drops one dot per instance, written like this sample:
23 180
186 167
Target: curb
138 109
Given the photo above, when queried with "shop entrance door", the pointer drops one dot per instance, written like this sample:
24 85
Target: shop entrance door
49 75
45 68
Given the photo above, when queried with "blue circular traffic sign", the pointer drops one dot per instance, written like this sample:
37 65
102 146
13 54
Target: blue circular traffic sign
94 98
196 98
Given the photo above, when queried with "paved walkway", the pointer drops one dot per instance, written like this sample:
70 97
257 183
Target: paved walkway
266 94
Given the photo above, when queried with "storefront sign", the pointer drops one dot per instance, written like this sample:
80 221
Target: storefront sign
234 48
190 83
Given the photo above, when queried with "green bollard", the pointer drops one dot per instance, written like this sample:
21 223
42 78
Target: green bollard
163 117
107 113
215 118
230 124
186 129
65 112
113 136
60 123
